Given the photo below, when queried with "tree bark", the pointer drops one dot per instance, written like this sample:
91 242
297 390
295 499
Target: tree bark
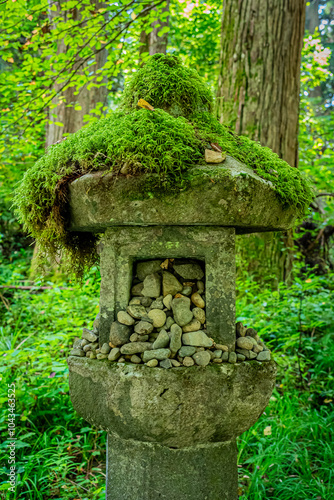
65 112
151 42
258 89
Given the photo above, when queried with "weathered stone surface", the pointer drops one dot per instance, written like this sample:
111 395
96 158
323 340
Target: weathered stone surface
119 334
166 363
187 351
105 349
238 197
137 289
214 156
198 300
193 326
101 392
125 318
181 310
202 358
169 322
170 284
188 361
198 338
89 335
225 356
161 341
214 244
244 352
175 363
143 328
147 267
232 357
191 271
244 343
146 301
114 354
152 363
240 329
200 287
159 354
217 353
157 304
175 338
158 317
250 332
101 356
167 301
258 348
135 359
152 285
222 347
199 314
137 311
135 347
77 352
145 471
263 356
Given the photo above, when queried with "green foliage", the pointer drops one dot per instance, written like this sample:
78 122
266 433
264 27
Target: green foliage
166 83
292 458
147 141
57 454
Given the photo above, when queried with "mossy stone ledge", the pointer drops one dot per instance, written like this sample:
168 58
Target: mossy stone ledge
228 194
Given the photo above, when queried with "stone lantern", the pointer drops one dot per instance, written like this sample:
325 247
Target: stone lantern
172 432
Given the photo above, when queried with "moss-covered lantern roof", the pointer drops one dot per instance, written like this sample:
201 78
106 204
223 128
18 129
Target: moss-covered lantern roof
157 157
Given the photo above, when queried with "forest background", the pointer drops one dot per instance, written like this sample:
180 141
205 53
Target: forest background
64 65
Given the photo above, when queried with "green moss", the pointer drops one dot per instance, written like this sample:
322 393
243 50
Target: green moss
164 82
140 141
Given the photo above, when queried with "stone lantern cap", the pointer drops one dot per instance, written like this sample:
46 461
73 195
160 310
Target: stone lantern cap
228 194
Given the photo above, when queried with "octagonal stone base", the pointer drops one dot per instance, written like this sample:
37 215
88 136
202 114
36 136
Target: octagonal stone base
176 408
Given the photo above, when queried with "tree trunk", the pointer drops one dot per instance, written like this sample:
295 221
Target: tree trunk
87 100
258 89
151 42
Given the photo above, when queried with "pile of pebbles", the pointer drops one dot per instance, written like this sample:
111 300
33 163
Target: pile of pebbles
164 323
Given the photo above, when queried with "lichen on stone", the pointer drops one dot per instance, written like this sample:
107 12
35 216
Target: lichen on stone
166 142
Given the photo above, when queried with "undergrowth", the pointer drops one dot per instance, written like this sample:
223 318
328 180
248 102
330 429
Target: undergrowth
145 142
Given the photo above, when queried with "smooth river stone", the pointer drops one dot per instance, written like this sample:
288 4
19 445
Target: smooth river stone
189 271
181 310
170 284
125 318
162 340
175 338
199 314
197 300
147 267
119 334
152 285
135 347
193 326
202 358
158 354
197 339
245 343
88 335
158 317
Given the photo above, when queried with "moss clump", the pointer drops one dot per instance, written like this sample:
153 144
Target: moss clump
165 83
134 141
